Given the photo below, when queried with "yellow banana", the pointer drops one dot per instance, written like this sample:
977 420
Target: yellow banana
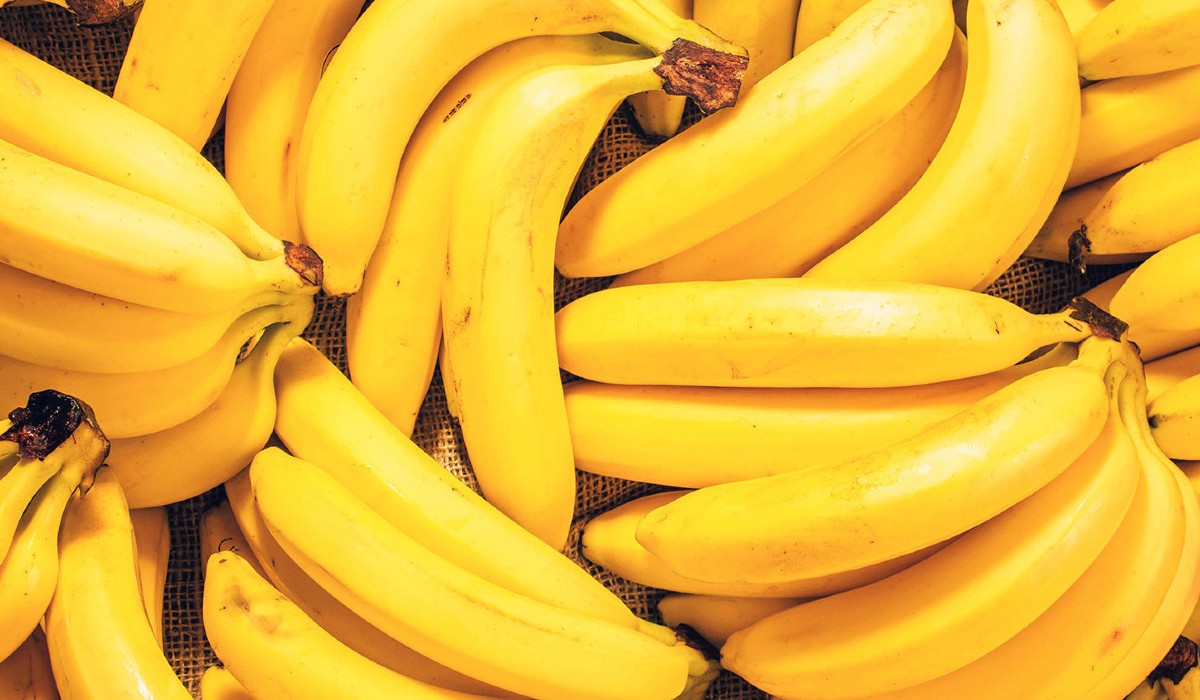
89 12
101 643
26 673
1169 370
1080 13
816 19
416 493
194 456
394 322
221 532
57 116
1162 293
497 636
153 535
383 77
1139 37
1127 121
658 114
716 617
784 131
878 506
1152 343
275 650
269 99
181 60
1175 419
217 683
699 436
1060 238
744 333
955 606
766 28
1000 168
87 233
20 481
608 541
790 236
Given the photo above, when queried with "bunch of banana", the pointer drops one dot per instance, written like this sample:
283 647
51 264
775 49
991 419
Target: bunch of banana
88 12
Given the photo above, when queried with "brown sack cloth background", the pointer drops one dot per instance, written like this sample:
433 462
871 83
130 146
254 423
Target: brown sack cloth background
94 54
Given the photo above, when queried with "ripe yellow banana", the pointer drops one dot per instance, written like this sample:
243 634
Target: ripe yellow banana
217 683
1175 419
220 532
1000 168
1139 37
269 99
394 322
20 481
783 132
658 114
88 12
1057 239
57 116
746 333
181 60
1127 121
955 606
26 673
699 436
153 535
82 231
880 505
101 643
609 541
479 628
1169 370
416 493
194 456
275 650
1079 13
498 297
388 70
1152 343
816 19
765 27
716 617
792 235
1163 292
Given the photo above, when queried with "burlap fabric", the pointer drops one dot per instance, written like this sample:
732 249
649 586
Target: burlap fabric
94 54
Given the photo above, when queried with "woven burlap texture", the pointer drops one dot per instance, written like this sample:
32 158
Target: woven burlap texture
94 54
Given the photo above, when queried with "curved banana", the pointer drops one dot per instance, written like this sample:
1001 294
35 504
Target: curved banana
790 236
1152 343
274 650
1080 13
878 506
744 333
784 131
194 456
692 437
1169 370
954 607
217 683
131 404
716 617
382 79
766 28
268 101
1000 168
20 482
181 60
220 532
1127 121
816 19
26 673
416 493
101 643
609 541
658 114
498 636
1175 419
394 322
1162 293
87 233
153 535
89 12
1139 37
57 116
1057 239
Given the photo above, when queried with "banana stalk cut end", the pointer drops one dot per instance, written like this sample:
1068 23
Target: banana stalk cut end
47 420
1182 658
1078 247
305 262
710 77
93 12
1101 322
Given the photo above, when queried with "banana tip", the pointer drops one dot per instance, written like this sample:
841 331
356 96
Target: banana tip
712 78
46 421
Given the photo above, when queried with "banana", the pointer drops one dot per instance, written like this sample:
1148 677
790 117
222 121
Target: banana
790 236
416 493
658 114
1060 238
784 131
130 404
101 643
609 542
324 609
220 532
205 450
1139 37
1000 168
181 60
383 77
1167 371
744 333
1188 687
274 650
1080 13
26 673
394 322
87 233
217 683
1152 344
874 507
1127 121
153 535
692 437
1148 691
1161 293
89 12
269 99
1175 419
816 19
57 116
480 628
954 607
716 617
766 28
20 481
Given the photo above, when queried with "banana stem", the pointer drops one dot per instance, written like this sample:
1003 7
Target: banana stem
710 77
